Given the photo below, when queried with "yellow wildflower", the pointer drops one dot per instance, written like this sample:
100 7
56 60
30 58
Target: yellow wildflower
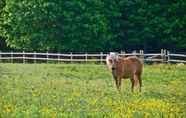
146 115
53 115
8 108
45 110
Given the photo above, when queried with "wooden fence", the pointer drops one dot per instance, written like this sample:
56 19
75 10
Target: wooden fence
35 57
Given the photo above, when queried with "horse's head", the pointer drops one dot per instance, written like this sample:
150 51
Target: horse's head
111 59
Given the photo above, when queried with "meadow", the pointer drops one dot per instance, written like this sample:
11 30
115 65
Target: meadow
88 91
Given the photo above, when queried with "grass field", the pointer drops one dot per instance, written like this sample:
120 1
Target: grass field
88 91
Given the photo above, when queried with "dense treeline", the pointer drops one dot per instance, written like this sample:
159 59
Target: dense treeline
93 25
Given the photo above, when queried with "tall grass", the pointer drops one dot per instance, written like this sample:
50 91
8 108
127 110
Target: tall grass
88 90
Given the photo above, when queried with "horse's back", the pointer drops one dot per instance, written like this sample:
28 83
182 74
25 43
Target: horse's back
135 64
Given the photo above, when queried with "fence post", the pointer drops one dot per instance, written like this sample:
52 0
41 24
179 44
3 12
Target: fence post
168 57
0 57
34 56
58 57
123 53
101 58
165 56
24 57
11 57
134 53
162 55
71 57
142 55
47 56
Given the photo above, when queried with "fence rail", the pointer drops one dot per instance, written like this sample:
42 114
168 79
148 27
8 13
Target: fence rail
35 57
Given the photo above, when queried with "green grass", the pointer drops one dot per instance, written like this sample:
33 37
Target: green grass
88 90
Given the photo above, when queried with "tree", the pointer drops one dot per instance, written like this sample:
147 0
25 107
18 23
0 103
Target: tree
152 24
2 40
56 25
93 25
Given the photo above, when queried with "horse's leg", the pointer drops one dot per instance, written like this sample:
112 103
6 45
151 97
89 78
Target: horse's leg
132 87
116 81
119 84
137 80
140 83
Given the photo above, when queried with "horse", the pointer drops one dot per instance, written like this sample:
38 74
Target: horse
124 68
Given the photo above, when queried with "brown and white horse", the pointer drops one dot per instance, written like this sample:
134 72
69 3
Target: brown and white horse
123 68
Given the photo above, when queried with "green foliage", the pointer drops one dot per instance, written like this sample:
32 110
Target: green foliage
56 25
106 25
2 5
153 24
83 90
